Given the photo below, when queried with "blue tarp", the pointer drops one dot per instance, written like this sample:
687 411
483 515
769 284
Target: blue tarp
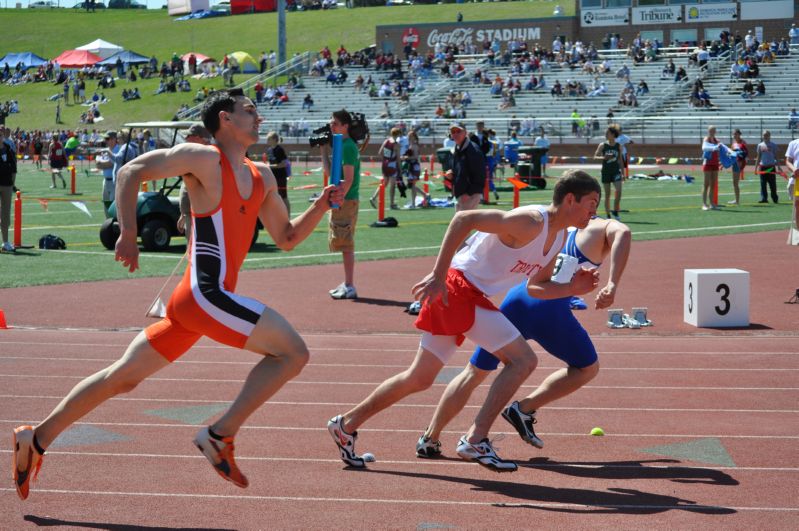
28 60
201 14
126 56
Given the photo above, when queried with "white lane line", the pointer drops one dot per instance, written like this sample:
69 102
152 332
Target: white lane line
414 431
720 227
400 405
383 350
308 382
394 335
329 255
401 366
424 462
399 501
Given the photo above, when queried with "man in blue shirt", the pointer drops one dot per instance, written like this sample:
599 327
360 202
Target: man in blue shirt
767 166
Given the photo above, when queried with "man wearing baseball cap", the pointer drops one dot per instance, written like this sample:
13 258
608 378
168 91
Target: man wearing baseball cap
468 169
197 134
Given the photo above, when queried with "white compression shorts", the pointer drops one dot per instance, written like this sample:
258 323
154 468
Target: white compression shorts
491 330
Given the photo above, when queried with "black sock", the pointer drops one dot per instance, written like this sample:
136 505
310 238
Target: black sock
214 435
37 445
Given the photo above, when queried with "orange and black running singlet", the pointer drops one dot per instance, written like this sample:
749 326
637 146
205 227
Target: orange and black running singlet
204 302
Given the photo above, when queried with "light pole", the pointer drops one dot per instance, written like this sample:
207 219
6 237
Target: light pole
281 31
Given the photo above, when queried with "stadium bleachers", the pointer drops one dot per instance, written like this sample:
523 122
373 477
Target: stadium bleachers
663 115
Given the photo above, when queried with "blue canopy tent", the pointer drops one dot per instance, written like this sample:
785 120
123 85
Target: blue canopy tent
126 56
28 60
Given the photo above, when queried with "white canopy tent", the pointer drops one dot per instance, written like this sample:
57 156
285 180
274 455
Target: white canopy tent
102 48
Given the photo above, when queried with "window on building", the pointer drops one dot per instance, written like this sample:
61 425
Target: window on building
714 34
651 2
683 36
618 3
652 35
590 3
684 1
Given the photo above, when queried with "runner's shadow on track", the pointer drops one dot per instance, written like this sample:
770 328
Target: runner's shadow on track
53 522
634 470
380 302
568 500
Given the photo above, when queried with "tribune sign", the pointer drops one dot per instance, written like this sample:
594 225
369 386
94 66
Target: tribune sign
424 37
657 15
592 18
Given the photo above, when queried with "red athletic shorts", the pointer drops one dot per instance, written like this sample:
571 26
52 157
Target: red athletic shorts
458 317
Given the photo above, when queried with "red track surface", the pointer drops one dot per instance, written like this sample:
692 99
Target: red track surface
666 385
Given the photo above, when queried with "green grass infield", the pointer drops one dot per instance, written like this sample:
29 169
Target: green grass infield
652 209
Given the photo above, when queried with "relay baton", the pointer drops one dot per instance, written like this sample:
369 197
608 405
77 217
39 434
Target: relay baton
335 169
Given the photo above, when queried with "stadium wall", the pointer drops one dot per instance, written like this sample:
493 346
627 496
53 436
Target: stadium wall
686 23
767 19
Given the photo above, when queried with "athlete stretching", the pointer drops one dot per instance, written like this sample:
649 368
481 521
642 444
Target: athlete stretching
507 247
228 192
550 323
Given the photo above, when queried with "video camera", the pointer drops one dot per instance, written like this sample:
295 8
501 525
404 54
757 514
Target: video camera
359 129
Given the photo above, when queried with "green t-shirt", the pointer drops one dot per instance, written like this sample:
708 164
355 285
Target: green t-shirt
350 156
72 142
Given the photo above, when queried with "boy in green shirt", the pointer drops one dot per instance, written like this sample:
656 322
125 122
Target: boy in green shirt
341 236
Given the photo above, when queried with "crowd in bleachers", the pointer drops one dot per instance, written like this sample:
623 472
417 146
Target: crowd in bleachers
747 55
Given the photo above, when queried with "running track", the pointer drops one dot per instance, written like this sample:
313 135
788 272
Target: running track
701 425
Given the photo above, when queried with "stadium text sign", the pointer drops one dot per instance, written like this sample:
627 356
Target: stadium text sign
711 12
425 37
657 15
604 17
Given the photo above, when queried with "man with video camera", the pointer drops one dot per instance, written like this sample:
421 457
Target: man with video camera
341 234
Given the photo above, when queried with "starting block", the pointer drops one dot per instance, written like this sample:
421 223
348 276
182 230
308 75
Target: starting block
639 316
616 318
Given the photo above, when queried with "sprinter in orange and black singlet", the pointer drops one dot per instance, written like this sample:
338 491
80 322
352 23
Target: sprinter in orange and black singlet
228 192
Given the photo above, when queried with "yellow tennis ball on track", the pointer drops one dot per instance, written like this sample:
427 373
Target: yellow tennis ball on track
597 432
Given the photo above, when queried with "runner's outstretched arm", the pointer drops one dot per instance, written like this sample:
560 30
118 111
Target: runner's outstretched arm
619 238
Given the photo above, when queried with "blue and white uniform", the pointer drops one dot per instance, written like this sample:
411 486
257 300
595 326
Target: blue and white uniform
549 322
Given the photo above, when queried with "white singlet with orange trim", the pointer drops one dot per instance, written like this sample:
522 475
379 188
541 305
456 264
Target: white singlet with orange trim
493 267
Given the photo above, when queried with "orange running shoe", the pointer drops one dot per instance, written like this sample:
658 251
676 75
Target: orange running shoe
27 460
220 453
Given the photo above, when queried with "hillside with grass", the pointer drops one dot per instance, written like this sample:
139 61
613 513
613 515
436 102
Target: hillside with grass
153 32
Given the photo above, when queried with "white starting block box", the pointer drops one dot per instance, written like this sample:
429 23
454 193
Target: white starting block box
716 298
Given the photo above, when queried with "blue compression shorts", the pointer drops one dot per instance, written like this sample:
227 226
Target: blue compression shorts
549 322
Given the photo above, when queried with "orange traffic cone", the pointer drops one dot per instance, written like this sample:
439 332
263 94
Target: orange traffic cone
3 325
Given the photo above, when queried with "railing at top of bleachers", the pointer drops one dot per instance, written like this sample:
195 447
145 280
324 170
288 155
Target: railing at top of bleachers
643 130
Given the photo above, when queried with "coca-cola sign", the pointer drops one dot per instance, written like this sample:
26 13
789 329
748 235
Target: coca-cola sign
411 36
425 37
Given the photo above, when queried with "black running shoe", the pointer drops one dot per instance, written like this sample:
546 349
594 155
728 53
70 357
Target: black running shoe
523 424
428 448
